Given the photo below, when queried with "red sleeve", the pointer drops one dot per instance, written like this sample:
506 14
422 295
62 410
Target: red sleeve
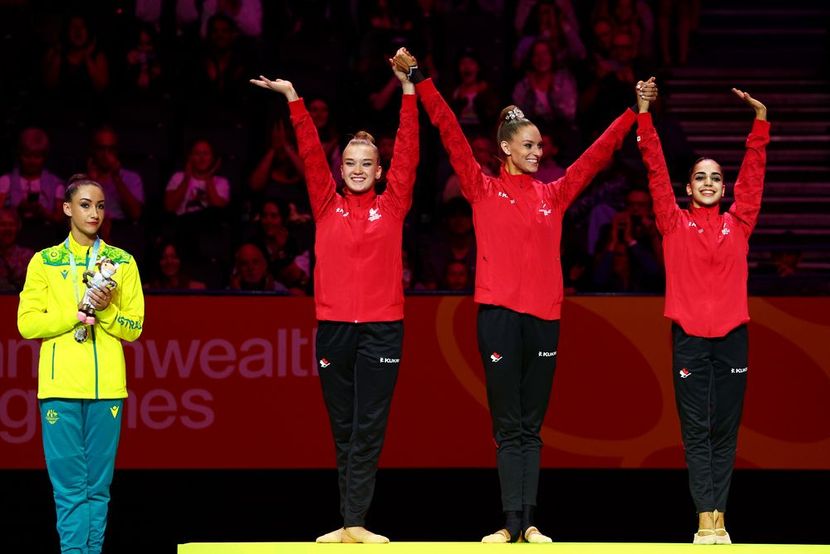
404 164
592 161
320 183
666 209
473 183
750 183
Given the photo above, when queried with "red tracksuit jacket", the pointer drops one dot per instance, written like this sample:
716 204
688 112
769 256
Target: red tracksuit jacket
706 251
359 273
517 219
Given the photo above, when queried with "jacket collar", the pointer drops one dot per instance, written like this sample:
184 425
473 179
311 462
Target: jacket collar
80 250
522 179
705 212
360 200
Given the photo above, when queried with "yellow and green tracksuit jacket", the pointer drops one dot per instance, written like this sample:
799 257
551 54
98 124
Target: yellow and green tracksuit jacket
48 310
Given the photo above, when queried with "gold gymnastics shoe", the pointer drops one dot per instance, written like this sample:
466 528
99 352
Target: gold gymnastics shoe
334 536
532 534
362 535
499 537
704 536
721 536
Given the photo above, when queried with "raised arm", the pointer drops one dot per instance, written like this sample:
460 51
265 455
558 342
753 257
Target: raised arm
473 183
404 164
749 186
580 173
666 209
320 183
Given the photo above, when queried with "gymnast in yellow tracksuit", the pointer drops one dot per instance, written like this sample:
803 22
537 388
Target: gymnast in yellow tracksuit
81 373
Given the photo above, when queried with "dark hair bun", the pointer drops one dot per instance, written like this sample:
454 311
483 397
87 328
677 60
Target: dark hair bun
78 178
75 182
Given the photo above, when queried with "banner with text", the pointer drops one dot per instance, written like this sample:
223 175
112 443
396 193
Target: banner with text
231 382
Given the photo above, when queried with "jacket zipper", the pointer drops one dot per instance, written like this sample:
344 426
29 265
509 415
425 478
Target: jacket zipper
95 357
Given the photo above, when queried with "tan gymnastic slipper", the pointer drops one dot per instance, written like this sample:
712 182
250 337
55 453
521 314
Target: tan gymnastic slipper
721 536
362 535
704 536
532 534
500 536
332 537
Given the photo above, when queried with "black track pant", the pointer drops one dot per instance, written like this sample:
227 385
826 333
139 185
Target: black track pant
709 385
358 365
519 355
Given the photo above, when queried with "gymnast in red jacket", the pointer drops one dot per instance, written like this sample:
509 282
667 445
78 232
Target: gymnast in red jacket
706 299
518 227
358 293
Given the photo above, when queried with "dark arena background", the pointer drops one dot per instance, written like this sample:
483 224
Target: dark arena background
225 435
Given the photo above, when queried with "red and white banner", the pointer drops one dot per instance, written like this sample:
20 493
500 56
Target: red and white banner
231 382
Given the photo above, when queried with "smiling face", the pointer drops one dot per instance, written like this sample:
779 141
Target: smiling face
360 168
523 150
85 210
705 184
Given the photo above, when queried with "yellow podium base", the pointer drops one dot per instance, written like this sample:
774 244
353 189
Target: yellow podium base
478 548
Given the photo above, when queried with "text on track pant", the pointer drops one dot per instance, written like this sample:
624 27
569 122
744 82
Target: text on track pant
80 439
519 355
358 365
709 385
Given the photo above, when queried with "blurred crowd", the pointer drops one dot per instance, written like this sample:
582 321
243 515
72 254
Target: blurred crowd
202 178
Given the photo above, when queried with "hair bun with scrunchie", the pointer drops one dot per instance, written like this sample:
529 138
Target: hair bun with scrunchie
514 114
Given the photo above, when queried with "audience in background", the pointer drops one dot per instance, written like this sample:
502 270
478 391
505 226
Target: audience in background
167 72
250 272
14 259
198 187
246 14
474 99
279 172
453 242
280 239
631 17
556 23
33 191
676 19
547 94
484 150
629 252
143 75
76 68
124 191
170 272
320 114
